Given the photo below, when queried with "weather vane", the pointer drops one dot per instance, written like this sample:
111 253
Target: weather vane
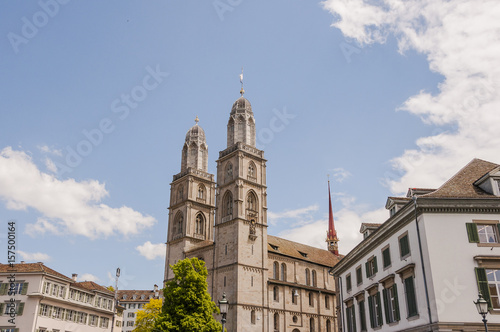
241 81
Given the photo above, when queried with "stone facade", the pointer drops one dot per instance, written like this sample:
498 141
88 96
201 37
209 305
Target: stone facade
268 281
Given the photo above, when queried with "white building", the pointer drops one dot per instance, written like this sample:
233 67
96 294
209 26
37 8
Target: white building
423 267
133 301
45 300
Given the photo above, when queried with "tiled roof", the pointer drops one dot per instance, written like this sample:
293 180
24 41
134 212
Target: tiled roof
138 293
461 185
31 268
294 249
91 286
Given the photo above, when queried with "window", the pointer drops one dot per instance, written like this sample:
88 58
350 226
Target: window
404 246
348 283
180 193
201 191
276 270
489 285
362 315
252 317
17 307
276 322
283 271
62 291
131 314
105 322
386 257
178 223
328 326
311 299
391 304
327 302
351 319
483 233
229 171
311 325
93 320
371 266
276 293
251 202
359 275
308 277
251 170
295 295
314 279
46 289
228 204
200 224
130 323
58 313
375 308
411 299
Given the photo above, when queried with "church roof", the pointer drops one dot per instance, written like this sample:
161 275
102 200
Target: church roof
301 251
241 105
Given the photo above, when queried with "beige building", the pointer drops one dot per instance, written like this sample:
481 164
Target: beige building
133 301
34 297
271 284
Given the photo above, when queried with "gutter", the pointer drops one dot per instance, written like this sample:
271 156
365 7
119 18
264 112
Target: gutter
422 262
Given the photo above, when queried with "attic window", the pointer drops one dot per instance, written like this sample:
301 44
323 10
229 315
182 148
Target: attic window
143 297
134 297
274 247
498 186
125 296
303 253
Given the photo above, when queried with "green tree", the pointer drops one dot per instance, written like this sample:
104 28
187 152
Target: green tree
110 288
146 317
187 306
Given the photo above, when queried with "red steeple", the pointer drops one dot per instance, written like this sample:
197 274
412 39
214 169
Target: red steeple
331 235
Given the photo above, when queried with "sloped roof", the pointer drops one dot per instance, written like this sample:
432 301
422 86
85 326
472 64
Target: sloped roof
294 249
32 268
461 185
138 293
91 286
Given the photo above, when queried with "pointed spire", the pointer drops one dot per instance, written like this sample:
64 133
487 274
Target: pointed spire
331 236
242 92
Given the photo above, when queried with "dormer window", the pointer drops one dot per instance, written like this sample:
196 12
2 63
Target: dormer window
393 211
303 254
274 247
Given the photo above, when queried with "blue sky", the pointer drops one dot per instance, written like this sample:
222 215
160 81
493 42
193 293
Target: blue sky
97 97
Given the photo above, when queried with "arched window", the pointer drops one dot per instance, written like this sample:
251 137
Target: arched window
178 222
311 299
311 325
314 278
200 224
251 170
228 204
201 191
229 172
283 271
327 302
308 278
328 326
276 322
180 193
295 295
276 293
276 270
252 317
251 202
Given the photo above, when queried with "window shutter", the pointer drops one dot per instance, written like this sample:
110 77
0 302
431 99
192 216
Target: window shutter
362 315
482 285
375 269
386 305
3 289
498 228
367 270
2 306
396 302
24 291
472 232
20 309
353 318
379 310
370 310
410 297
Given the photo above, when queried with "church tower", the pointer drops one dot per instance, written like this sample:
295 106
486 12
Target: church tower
192 200
241 220
331 235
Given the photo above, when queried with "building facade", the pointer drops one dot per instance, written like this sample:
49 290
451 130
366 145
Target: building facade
34 297
422 269
133 301
271 284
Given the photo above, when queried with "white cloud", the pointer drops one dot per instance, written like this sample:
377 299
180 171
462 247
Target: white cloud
47 149
34 256
152 251
460 40
88 277
51 166
340 174
68 207
297 214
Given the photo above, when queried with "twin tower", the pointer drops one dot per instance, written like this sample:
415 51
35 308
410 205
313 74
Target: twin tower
223 222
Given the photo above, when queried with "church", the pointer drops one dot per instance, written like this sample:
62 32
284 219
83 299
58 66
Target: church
271 284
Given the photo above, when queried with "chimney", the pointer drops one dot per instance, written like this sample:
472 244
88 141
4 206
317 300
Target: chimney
74 276
22 262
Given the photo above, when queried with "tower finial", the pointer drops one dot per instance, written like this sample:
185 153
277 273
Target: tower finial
331 235
242 92
197 120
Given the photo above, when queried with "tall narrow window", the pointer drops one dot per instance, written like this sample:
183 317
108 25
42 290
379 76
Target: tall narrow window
276 293
295 295
200 224
327 302
283 271
348 283
201 191
252 317
391 304
362 315
386 257
404 246
411 299
276 270
371 266
351 319
311 325
228 204
251 202
308 277
328 326
178 223
311 299
229 172
251 170
276 322
314 278
359 275
375 309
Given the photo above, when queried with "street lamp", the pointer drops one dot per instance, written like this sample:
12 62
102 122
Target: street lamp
223 306
115 299
482 309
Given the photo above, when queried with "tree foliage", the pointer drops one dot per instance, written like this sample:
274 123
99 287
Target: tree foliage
187 306
146 317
